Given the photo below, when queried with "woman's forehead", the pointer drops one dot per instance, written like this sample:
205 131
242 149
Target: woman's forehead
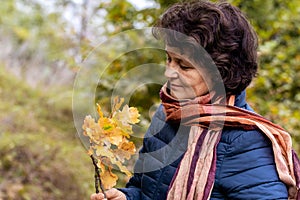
175 52
179 54
184 56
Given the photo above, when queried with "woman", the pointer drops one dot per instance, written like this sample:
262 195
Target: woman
218 147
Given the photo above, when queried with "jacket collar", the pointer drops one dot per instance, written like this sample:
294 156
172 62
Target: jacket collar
240 100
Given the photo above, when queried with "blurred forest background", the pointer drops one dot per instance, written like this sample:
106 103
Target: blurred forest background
42 44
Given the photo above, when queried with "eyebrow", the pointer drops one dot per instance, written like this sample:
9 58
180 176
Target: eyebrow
175 56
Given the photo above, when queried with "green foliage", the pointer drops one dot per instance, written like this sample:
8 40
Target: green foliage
167 3
275 92
37 41
40 155
33 165
121 16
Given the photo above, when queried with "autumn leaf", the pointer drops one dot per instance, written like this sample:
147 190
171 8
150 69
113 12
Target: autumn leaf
100 113
106 124
127 146
125 151
104 151
108 178
117 103
91 129
109 139
123 168
134 115
128 115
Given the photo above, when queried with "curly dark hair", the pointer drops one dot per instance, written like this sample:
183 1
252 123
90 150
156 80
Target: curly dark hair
223 31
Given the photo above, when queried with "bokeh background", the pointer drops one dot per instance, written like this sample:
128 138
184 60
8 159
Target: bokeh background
42 44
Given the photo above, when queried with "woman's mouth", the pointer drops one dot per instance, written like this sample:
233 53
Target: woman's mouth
174 84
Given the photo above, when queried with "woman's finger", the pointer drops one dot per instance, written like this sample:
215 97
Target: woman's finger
114 194
98 196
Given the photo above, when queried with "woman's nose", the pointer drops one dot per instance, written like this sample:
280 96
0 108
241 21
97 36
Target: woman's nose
171 71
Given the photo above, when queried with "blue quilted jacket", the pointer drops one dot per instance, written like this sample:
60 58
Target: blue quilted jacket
245 162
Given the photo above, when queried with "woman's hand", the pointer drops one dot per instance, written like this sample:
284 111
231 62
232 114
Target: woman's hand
112 194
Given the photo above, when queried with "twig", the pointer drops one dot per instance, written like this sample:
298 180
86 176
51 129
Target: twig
98 182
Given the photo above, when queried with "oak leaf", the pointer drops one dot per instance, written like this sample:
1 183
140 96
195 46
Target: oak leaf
108 178
109 139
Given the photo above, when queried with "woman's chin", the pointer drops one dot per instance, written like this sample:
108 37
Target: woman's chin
181 95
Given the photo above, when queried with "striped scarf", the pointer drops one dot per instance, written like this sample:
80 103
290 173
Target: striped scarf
206 121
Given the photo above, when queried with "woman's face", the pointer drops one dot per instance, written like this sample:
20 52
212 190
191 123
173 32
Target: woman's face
186 80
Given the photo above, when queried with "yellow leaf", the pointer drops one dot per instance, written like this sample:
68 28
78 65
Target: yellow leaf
123 168
108 179
108 137
124 131
115 139
128 146
104 151
117 103
100 113
106 124
134 115
123 116
128 115
91 129
101 166
125 151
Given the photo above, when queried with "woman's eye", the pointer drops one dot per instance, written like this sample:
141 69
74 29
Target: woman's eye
168 59
185 67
